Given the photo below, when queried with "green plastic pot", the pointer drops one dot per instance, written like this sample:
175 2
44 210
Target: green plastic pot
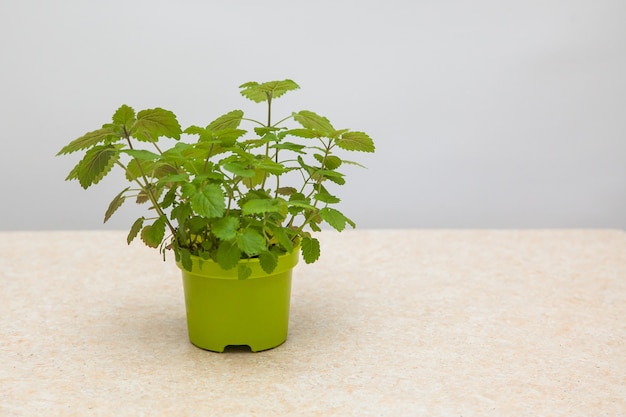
223 310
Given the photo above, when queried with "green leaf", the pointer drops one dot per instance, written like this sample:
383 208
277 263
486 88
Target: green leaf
330 162
269 166
152 234
181 212
251 242
304 133
255 180
310 248
96 164
168 199
315 122
225 228
230 120
185 258
261 206
134 230
268 133
333 176
268 261
204 134
301 204
281 236
142 154
324 196
88 140
144 194
174 178
227 254
197 224
154 123
115 204
209 201
124 116
294 147
286 190
356 141
354 163
334 218
239 168
228 137
271 89
243 271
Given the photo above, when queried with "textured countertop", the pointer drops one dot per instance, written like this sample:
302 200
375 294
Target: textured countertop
398 323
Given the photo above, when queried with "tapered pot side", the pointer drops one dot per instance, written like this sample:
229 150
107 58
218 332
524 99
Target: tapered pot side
223 310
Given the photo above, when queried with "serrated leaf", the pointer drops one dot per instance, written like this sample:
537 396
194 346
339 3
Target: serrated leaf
251 242
301 204
243 271
354 163
169 198
281 236
324 196
185 258
334 218
142 154
181 212
124 116
286 190
333 176
225 228
255 180
152 234
271 89
228 137
144 195
265 131
197 224
227 254
115 204
154 123
174 178
135 169
269 166
209 201
310 248
96 163
261 206
230 120
73 175
356 141
134 230
268 261
239 168
304 133
289 146
88 140
205 134
331 162
315 122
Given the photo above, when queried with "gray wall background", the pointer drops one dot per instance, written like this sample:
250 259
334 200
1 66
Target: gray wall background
485 113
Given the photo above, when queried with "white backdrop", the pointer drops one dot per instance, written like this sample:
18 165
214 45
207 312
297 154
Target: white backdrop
485 113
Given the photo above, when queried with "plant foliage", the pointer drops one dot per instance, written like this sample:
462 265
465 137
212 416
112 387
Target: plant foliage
229 193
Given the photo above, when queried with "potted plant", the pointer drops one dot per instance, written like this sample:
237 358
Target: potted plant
235 205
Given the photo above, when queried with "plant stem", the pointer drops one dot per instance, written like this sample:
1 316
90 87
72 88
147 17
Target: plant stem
145 187
269 124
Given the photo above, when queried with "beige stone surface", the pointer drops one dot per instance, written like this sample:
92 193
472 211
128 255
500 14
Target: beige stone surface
387 323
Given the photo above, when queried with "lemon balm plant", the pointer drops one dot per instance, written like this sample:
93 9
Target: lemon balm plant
223 197
239 201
